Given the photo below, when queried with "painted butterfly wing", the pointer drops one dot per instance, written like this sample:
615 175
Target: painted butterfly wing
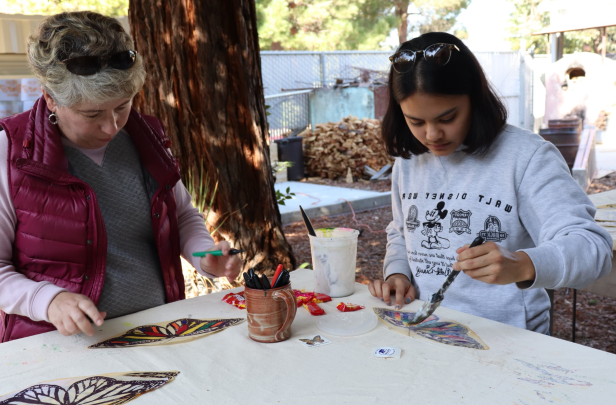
309 342
137 336
192 327
446 332
449 333
318 339
97 390
400 319
149 334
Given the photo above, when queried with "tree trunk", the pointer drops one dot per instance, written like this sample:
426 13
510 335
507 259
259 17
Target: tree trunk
204 83
402 12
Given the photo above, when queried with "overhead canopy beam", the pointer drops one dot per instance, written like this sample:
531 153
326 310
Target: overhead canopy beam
553 29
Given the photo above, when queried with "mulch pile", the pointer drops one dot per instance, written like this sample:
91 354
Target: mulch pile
333 150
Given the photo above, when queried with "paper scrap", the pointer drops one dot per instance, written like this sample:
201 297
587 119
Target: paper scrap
387 352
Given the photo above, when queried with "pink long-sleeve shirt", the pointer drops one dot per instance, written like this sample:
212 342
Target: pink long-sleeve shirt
22 296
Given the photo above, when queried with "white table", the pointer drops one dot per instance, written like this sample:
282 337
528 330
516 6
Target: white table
520 367
606 285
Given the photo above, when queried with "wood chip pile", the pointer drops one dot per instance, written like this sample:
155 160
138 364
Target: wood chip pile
332 148
602 120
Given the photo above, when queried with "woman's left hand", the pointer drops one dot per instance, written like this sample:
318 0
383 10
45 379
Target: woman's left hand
222 266
493 264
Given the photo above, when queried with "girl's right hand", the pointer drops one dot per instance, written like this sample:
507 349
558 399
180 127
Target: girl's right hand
69 313
399 284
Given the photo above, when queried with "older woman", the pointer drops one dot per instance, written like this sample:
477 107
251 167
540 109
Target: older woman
93 215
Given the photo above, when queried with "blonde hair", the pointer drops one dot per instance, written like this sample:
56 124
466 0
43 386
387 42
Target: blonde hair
84 33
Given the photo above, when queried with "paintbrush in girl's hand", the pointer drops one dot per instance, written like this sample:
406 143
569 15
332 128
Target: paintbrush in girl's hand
430 306
309 227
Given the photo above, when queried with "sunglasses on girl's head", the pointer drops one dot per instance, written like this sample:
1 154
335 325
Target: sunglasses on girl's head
89 65
403 61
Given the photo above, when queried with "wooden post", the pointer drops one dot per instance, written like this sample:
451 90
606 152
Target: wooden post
603 43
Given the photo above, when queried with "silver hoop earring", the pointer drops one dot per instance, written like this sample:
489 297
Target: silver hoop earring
53 118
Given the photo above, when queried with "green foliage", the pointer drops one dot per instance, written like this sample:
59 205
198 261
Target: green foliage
280 166
326 25
589 41
438 15
200 193
526 19
321 25
112 8
281 197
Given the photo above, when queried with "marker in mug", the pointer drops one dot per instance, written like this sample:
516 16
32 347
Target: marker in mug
217 252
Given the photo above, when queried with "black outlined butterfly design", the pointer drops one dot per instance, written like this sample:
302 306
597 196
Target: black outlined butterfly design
100 390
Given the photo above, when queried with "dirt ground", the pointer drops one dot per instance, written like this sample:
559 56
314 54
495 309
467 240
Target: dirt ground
596 315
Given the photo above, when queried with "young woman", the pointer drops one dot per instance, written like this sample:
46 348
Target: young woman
462 172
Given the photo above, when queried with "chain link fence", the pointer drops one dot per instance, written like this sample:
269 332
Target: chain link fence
288 112
289 77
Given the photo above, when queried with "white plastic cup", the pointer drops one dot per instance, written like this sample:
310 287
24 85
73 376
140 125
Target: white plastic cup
334 254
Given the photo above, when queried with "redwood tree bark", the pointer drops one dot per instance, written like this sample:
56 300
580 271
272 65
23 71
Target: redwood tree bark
204 83
401 10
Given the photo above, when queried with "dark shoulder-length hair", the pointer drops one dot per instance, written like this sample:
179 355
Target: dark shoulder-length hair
462 75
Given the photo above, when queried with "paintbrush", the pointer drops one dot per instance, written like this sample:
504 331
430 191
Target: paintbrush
430 306
217 252
309 227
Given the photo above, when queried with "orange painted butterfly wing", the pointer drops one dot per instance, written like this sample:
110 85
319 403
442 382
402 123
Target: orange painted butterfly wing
149 334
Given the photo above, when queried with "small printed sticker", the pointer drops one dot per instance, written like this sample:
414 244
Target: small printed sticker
318 340
387 352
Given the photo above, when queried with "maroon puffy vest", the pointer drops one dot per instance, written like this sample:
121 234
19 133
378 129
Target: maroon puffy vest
60 234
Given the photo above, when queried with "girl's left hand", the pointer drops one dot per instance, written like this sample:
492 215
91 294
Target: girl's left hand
493 264
222 266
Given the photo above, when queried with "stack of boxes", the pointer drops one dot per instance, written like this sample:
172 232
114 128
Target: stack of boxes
18 95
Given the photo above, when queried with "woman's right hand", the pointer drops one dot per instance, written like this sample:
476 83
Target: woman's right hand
69 313
397 283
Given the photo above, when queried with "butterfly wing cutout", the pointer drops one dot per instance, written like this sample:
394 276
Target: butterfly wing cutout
95 390
434 329
159 334
309 342
318 339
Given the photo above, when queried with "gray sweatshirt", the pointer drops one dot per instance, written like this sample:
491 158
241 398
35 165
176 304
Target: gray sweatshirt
520 195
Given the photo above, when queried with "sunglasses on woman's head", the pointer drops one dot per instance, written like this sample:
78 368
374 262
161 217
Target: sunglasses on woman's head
89 65
440 54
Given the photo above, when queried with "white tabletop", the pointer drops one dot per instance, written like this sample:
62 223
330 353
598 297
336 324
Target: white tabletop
606 285
521 367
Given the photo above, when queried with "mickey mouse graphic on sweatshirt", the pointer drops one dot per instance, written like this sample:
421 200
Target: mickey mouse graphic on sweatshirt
433 227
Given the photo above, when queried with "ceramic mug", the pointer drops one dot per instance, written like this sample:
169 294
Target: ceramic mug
270 313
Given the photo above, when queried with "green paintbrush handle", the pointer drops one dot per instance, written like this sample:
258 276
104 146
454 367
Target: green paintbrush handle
216 252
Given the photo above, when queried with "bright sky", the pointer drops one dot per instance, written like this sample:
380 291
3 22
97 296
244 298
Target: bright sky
486 22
